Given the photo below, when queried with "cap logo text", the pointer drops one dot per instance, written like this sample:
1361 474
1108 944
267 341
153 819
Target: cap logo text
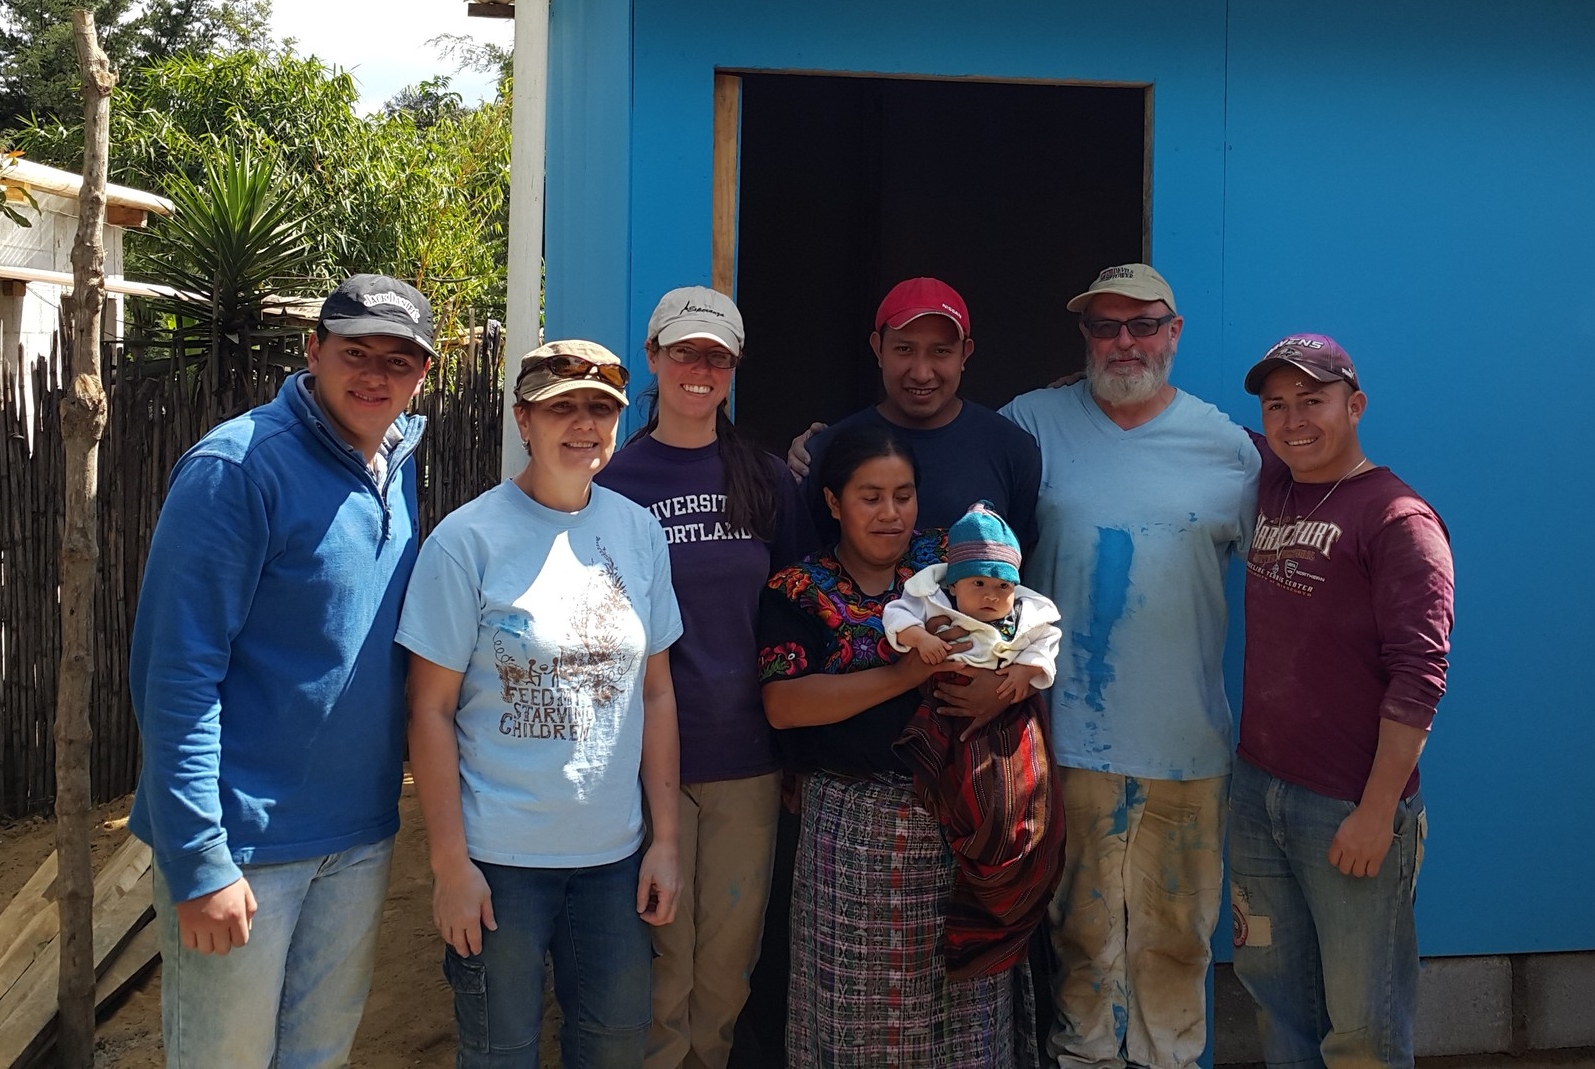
689 307
1310 343
388 297
1116 272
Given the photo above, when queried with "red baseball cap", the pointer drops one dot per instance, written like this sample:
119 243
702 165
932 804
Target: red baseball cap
915 297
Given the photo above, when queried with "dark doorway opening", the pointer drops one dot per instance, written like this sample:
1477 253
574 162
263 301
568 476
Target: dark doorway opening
1014 193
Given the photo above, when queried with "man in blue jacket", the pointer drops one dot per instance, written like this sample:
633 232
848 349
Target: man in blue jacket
270 694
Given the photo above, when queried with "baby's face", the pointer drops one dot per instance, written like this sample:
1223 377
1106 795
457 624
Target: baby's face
983 597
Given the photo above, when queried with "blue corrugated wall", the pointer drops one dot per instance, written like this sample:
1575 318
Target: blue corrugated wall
1417 179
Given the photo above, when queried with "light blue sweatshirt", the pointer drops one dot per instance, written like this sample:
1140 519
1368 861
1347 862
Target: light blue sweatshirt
267 686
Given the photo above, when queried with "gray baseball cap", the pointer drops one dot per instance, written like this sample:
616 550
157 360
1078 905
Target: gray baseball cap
378 304
697 312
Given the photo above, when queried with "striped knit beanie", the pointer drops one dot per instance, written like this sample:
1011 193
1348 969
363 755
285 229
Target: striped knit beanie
982 543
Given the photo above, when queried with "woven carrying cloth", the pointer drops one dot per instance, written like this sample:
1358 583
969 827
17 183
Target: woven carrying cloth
999 801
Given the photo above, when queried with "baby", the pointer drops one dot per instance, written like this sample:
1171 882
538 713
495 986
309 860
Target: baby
994 791
1011 627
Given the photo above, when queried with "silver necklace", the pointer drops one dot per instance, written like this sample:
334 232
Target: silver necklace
1290 493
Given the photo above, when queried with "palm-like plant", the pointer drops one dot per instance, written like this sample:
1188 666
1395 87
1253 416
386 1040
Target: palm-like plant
232 241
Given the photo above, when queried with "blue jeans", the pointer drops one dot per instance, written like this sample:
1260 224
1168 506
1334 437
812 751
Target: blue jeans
588 919
291 997
1331 960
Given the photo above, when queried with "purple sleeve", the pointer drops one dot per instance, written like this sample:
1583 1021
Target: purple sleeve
794 527
1411 575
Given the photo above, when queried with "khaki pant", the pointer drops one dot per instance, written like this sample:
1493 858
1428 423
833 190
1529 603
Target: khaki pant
1131 922
705 955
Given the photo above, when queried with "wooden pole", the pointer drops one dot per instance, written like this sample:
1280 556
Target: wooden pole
83 416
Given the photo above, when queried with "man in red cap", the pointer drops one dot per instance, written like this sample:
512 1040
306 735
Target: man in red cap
965 452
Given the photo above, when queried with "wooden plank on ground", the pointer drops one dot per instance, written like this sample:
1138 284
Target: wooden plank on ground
126 967
119 874
123 904
35 895
140 955
28 924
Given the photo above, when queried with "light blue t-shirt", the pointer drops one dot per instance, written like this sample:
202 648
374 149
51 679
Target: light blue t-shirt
551 616
1137 528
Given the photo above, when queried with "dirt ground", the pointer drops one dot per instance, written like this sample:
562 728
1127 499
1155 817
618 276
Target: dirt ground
409 1019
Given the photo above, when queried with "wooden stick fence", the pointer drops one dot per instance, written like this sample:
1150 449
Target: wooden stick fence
159 407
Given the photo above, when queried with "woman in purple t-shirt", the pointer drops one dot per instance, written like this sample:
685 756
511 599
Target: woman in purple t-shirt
731 517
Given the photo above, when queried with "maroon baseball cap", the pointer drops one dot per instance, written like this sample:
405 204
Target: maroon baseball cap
1317 356
915 297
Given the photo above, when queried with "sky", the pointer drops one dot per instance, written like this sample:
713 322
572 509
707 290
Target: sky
383 42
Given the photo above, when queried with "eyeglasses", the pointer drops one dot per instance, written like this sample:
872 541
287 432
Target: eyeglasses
1139 327
574 367
724 359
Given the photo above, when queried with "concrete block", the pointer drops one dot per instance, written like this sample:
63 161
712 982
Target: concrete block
1464 1006
1559 999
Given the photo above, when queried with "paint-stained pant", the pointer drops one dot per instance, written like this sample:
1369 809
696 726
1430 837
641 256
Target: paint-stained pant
706 955
1130 925
1331 960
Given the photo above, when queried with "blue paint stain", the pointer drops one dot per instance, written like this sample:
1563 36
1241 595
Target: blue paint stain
1134 793
1193 517
1110 585
1121 1022
1121 818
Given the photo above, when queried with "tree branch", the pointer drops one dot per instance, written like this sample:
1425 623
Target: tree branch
83 417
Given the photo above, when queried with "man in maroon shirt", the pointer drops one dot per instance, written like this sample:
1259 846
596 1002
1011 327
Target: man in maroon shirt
1348 618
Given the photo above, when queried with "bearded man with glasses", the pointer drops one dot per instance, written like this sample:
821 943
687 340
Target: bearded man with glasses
1146 494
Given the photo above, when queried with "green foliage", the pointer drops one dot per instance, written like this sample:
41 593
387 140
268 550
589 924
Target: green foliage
39 68
427 103
469 54
231 239
421 192
38 64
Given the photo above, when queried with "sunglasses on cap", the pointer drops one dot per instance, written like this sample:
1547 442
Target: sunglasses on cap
574 367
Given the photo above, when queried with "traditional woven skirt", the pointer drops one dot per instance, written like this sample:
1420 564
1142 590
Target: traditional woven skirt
869 987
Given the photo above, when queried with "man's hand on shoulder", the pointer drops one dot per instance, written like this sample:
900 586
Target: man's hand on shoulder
219 921
797 457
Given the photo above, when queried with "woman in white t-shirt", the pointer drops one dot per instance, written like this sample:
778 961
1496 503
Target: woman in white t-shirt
541 712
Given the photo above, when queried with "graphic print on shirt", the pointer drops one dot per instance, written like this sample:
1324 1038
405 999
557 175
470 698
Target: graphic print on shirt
571 696
1285 552
671 510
